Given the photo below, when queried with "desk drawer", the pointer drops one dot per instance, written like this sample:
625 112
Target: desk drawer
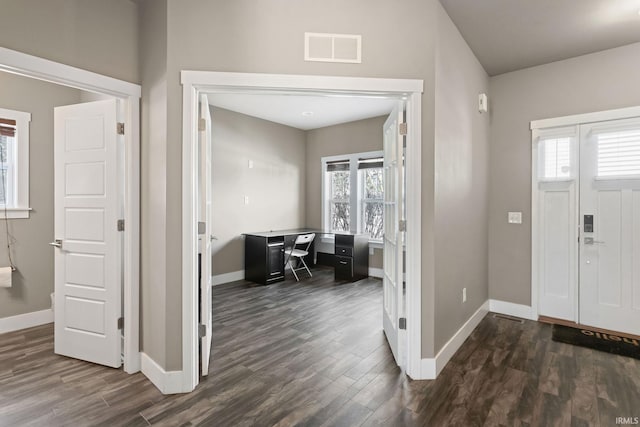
344 268
344 251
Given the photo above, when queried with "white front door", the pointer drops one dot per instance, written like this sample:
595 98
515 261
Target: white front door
205 219
610 223
393 293
88 266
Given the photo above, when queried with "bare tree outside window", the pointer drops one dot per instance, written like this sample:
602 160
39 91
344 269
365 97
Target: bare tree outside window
4 140
340 192
372 202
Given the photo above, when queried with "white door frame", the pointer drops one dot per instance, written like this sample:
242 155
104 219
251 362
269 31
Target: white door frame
195 82
536 126
42 69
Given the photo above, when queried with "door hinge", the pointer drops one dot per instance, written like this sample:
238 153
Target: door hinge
202 124
402 128
202 227
120 322
402 323
121 225
202 331
120 128
402 225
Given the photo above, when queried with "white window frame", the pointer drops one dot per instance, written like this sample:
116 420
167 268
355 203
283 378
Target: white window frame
355 193
18 182
570 132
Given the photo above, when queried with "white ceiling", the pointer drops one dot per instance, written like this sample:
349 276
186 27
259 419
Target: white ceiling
508 35
288 109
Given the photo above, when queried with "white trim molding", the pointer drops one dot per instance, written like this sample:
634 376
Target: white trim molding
26 320
511 309
376 272
168 382
431 367
598 116
221 279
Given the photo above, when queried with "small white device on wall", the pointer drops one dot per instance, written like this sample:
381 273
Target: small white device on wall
482 103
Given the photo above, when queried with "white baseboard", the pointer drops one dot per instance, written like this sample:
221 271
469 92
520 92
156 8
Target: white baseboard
431 367
220 279
167 382
26 320
511 309
376 272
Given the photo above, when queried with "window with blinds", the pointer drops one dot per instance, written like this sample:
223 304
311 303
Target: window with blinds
353 193
619 154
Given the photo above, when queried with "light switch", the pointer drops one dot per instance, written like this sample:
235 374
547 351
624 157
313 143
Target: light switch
515 217
250 164
246 200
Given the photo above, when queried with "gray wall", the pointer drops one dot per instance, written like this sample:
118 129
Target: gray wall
275 185
461 187
267 36
346 138
153 183
33 257
600 81
95 35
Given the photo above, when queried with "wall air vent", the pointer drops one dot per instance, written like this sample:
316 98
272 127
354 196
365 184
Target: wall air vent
324 47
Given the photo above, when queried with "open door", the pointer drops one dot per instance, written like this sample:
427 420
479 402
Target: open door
393 292
205 232
88 267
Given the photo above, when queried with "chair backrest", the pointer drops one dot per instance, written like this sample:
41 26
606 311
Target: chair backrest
305 238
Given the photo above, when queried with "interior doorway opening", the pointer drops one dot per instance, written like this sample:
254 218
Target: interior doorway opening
196 83
128 95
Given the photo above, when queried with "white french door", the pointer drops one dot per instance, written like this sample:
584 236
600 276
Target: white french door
205 226
610 219
587 185
393 292
88 264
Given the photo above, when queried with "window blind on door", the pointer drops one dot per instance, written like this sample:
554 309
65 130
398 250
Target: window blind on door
619 154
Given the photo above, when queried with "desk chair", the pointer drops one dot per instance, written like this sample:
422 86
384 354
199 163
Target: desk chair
303 239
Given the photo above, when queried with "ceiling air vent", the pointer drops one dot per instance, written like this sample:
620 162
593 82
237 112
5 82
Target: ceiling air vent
323 47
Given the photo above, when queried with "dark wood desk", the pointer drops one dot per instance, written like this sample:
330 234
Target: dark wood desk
264 254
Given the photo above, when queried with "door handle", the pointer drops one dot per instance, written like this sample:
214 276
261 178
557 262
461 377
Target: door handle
592 241
212 238
57 243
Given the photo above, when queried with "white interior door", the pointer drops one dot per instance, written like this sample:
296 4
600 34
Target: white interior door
610 221
393 293
206 236
88 280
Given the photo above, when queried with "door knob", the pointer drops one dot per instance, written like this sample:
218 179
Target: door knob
57 243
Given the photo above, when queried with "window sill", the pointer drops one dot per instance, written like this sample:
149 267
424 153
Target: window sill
14 213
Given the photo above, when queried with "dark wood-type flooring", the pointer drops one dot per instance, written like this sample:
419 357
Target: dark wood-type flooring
313 354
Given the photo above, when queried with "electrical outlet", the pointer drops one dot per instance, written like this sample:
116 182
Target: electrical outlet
464 294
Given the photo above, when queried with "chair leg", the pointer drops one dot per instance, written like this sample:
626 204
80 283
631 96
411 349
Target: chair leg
293 270
305 266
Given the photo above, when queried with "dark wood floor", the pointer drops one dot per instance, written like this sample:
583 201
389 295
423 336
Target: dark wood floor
313 353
